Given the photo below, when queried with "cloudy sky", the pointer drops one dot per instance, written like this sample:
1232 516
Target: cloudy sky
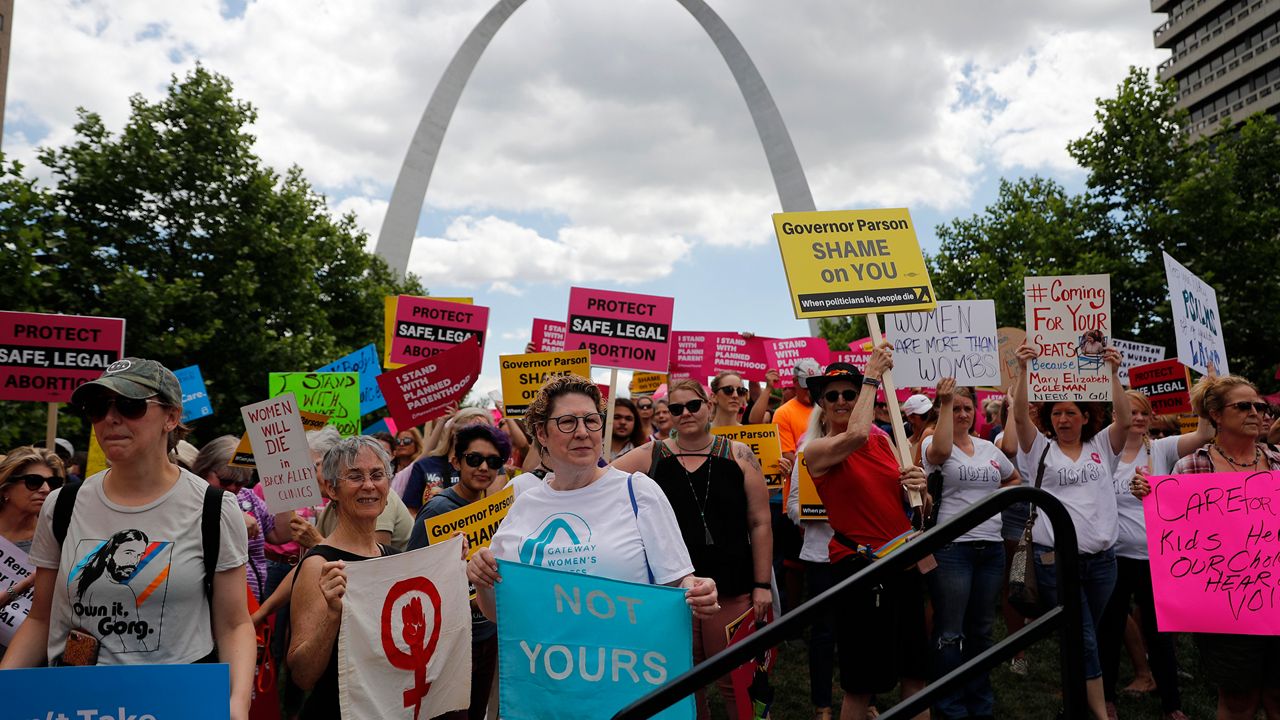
604 142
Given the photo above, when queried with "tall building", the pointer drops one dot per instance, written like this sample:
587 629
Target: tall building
6 32
1225 58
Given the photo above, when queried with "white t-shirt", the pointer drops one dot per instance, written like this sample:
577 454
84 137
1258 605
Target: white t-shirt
594 531
1132 541
966 479
134 576
816 546
1084 485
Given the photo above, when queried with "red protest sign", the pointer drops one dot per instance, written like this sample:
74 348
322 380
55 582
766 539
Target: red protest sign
782 355
425 327
622 330
1166 384
731 351
548 335
44 357
424 390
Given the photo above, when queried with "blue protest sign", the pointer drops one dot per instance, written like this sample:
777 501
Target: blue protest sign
108 692
195 400
386 425
576 646
365 362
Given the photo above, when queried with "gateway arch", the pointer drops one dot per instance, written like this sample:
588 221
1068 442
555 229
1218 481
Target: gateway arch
401 222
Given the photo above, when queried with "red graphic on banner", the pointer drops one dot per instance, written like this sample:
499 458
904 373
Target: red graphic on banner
413 634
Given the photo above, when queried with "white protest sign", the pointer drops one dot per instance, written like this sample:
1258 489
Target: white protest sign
281 454
14 567
1069 323
1197 324
1135 354
956 339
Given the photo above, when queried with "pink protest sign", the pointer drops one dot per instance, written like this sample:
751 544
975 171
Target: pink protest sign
783 355
622 330
1214 541
980 423
548 335
425 327
689 355
731 351
424 390
43 357
857 355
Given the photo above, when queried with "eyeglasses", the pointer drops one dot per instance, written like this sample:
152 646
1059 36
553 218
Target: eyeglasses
693 406
404 441
730 390
644 406
568 423
358 478
834 395
34 481
474 459
1244 407
96 408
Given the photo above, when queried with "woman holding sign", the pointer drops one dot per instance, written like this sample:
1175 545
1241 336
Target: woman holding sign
1076 463
1246 668
27 476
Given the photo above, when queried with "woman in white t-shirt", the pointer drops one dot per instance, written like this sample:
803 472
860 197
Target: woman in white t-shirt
970 571
1076 463
585 518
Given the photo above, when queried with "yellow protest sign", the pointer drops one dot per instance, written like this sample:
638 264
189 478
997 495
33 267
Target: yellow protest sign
764 442
1187 424
97 461
243 456
478 521
522 375
646 383
811 507
853 262
389 325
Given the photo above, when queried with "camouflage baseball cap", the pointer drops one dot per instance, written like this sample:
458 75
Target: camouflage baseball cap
135 378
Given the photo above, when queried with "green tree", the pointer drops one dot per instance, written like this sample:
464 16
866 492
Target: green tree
212 258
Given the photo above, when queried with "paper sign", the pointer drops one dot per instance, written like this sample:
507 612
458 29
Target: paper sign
857 355
44 358
363 362
1166 384
646 383
428 326
424 390
764 442
1009 340
1212 539
523 375
811 507
198 691
281 454
243 455
622 330
852 262
783 355
336 395
574 646
1188 424
1135 354
548 335
731 351
956 339
478 521
97 460
1069 320
689 356
15 566
1197 324
404 645
195 397
389 324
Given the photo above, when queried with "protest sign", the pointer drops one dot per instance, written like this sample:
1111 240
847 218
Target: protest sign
980 424
97 460
1069 321
857 355
389 304
1197 324
386 425
1188 424
1213 539
782 355
336 395
363 362
1008 340
478 521
243 455
622 330
689 356
44 357
523 375
195 397
764 442
852 262
281 455
1166 384
646 383
404 645
731 351
199 691
811 507
426 327
548 335
15 566
1134 354
574 646
424 390
956 339
743 676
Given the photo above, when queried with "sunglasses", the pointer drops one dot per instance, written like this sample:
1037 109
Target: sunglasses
404 441
644 406
693 406
730 390
34 481
96 408
568 423
833 395
1244 407
1158 433
474 459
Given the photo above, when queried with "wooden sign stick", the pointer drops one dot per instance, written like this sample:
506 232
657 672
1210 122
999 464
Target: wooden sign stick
608 416
903 446
51 426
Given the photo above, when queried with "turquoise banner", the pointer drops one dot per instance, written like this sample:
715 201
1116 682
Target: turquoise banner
575 646
110 692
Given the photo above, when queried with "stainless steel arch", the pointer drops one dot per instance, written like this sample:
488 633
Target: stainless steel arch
398 227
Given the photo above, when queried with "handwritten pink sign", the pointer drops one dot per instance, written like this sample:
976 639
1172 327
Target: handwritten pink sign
783 355
1214 541
731 351
548 335
426 327
622 330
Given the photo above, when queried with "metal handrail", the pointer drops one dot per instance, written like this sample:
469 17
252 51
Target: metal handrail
1065 617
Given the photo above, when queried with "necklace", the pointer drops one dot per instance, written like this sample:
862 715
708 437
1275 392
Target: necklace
687 450
701 504
1257 455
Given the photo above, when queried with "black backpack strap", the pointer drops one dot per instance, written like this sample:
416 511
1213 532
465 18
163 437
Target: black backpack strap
659 449
210 535
62 510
